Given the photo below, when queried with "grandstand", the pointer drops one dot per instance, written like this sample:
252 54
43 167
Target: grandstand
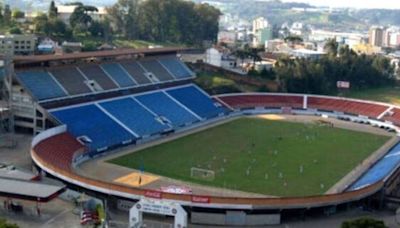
62 84
83 105
131 119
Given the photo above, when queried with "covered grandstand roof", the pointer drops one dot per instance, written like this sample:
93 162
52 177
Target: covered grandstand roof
94 54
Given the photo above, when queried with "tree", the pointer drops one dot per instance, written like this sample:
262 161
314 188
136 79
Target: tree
80 16
15 30
241 54
125 16
331 47
7 14
97 29
254 54
41 23
18 14
57 27
1 13
53 11
175 21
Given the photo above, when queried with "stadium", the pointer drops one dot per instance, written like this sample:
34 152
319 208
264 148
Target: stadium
131 127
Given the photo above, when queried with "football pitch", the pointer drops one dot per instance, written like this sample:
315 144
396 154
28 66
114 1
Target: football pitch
277 158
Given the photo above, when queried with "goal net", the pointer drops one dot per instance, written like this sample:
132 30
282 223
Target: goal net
202 174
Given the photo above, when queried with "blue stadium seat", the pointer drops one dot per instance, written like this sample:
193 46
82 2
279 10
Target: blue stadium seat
380 170
119 75
91 121
134 116
163 105
177 68
196 101
41 84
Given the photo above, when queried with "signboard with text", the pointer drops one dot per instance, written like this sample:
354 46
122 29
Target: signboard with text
343 84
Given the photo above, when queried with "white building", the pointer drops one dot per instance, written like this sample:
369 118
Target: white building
259 23
260 66
228 37
273 45
394 39
297 29
47 45
305 53
218 58
350 39
18 44
262 31
64 12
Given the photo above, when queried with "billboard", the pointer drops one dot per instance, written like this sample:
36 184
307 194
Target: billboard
343 84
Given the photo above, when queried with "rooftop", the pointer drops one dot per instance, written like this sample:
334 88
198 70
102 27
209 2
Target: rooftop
94 54
28 189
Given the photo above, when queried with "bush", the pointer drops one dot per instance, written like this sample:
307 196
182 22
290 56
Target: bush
263 89
15 30
5 224
364 223
90 46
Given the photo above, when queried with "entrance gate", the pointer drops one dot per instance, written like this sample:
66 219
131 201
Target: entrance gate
159 207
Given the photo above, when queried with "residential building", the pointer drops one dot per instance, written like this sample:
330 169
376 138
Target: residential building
47 46
228 37
273 45
262 31
348 38
220 58
376 35
18 44
263 35
394 40
260 66
297 29
71 47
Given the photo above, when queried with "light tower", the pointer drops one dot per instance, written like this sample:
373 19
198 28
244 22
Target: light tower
6 114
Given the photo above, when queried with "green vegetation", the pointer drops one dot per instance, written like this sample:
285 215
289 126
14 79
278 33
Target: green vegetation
384 94
364 222
319 76
5 224
215 84
174 21
273 152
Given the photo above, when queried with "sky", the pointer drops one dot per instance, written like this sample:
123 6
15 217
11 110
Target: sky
387 4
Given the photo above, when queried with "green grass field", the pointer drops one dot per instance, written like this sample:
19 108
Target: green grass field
272 151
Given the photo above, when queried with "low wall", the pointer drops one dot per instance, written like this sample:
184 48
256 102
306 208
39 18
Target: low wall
235 218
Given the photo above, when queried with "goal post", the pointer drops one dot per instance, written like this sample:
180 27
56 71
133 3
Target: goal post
202 174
